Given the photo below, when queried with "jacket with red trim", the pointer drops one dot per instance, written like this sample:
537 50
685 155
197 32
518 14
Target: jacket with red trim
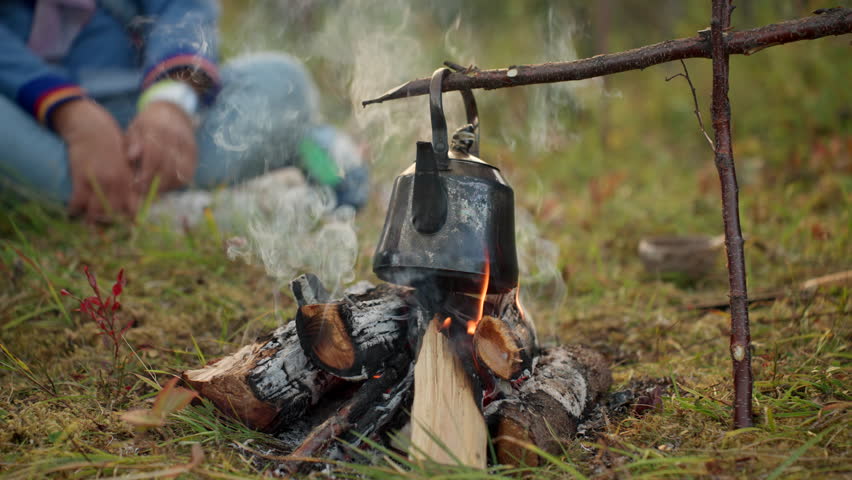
145 38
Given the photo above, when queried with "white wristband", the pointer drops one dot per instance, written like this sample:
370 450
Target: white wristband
170 91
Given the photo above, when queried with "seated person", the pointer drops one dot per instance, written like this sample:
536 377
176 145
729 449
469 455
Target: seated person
99 98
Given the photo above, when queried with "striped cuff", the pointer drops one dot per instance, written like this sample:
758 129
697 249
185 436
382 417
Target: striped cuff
194 62
42 95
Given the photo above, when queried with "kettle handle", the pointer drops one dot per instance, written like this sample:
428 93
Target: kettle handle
440 142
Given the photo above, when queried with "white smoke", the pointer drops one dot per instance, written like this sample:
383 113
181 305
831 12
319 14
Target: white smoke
541 284
370 47
548 130
278 220
298 230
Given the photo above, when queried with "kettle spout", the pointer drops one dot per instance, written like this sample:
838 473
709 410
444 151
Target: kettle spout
429 195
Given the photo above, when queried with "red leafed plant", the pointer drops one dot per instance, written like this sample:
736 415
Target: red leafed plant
103 310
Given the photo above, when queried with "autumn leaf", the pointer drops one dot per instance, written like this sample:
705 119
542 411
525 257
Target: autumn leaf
170 399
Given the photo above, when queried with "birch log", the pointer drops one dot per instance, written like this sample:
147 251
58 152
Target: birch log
547 408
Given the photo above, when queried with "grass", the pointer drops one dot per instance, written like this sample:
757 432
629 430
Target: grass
612 164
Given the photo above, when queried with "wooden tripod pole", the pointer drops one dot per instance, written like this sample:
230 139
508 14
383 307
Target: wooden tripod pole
740 336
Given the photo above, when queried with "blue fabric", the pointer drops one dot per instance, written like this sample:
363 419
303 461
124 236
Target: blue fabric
32 158
267 105
107 42
18 65
181 26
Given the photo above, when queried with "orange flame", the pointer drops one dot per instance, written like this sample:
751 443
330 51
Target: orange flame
518 301
446 324
472 324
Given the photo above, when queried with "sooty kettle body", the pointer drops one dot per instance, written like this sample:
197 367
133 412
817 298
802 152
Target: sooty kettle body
451 217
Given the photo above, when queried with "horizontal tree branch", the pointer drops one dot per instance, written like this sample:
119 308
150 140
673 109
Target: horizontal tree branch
826 22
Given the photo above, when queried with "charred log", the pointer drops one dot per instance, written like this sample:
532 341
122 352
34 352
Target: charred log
547 408
369 411
354 337
265 384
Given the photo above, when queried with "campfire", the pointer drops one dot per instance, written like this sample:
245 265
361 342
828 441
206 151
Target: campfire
443 355
345 370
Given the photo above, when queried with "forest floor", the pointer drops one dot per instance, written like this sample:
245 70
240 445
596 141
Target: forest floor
62 392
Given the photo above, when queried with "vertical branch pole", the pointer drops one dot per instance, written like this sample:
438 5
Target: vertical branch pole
740 337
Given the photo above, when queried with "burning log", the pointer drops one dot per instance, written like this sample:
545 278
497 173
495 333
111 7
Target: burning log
445 406
547 408
351 338
501 349
506 342
265 384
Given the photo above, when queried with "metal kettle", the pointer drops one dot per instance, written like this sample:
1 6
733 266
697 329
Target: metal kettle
451 217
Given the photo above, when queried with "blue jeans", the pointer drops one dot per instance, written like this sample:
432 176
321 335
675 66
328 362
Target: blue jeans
268 103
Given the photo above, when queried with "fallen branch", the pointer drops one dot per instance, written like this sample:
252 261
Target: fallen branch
803 289
827 22
832 279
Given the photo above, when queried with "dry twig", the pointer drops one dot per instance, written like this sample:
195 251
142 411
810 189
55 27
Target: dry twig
697 111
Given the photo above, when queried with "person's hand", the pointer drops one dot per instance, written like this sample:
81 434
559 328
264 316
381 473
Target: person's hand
101 177
161 143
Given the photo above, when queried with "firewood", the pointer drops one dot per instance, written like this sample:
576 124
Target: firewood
547 407
506 342
265 384
370 410
445 406
292 382
353 338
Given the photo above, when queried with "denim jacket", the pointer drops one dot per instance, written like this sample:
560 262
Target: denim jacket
146 39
